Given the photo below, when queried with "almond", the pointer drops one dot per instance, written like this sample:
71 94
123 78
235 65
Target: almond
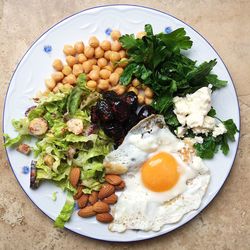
112 199
113 179
121 186
78 193
93 197
74 176
104 217
82 201
86 212
101 207
106 190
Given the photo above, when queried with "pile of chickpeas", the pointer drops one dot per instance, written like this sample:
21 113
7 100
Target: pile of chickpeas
102 62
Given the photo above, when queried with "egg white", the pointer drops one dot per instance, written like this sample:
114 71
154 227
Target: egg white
140 208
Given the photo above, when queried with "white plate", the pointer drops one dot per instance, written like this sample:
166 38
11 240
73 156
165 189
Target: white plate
36 66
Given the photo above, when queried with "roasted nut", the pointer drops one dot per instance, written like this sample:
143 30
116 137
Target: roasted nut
121 186
112 199
79 193
101 207
113 179
74 176
82 201
106 190
104 217
86 212
93 197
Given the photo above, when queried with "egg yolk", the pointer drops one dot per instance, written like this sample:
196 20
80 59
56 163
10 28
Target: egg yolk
160 172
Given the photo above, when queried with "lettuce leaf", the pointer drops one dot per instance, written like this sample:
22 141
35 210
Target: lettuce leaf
66 212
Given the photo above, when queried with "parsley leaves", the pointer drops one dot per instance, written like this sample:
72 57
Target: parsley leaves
157 61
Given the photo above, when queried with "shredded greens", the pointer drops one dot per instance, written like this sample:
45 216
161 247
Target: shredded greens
158 62
89 149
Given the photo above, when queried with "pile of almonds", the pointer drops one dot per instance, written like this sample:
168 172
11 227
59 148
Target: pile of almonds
102 61
97 203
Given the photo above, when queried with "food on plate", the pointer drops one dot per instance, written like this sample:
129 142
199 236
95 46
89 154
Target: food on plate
123 127
162 184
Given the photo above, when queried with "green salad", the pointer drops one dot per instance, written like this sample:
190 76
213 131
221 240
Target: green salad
58 149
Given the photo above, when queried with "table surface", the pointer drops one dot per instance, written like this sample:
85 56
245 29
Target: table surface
225 223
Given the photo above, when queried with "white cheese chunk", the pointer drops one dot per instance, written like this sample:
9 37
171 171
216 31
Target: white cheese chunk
219 129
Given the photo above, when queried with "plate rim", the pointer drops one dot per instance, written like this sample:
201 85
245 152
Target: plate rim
147 8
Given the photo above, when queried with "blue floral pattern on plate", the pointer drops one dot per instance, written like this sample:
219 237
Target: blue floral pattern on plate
47 48
108 31
25 170
168 30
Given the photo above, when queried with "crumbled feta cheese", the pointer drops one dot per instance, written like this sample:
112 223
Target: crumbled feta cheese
219 129
198 139
180 132
207 126
192 109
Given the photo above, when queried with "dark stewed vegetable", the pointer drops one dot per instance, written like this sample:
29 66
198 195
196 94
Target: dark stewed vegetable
116 115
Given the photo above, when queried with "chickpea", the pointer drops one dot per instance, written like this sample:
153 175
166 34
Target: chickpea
50 83
140 98
114 79
57 65
69 50
103 84
105 74
93 61
59 85
133 89
89 52
70 79
116 46
96 67
122 53
71 60
79 47
107 54
99 52
68 86
56 89
102 62
57 76
91 84
66 70
105 45
94 74
148 101
87 66
123 62
148 92
93 42
77 69
119 89
109 67
115 35
141 34
136 82
114 56
119 70
82 58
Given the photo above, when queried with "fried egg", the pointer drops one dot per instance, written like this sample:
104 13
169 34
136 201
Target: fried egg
164 178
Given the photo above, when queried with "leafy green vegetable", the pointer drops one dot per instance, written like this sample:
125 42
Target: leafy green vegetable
158 62
211 144
66 212
9 142
207 149
74 100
